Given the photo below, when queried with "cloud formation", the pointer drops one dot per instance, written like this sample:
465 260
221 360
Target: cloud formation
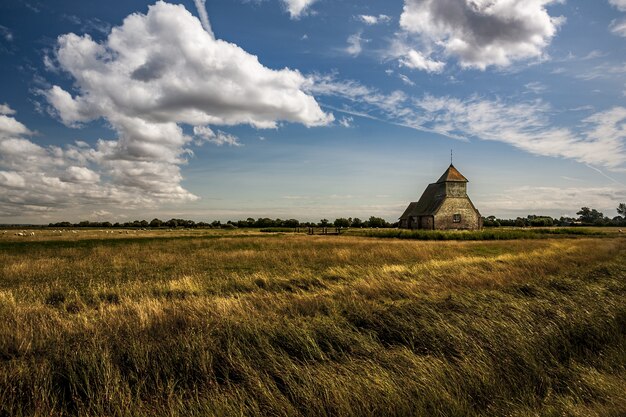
354 47
556 201
618 27
481 33
373 20
152 76
600 141
297 8
36 179
619 4
415 60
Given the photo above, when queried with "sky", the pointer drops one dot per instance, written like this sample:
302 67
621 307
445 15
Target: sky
308 109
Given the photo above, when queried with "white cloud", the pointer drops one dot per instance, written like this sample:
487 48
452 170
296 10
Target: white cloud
620 4
6 109
415 60
206 134
481 33
527 127
297 8
536 87
406 80
555 201
354 47
36 179
373 20
151 75
11 127
346 121
600 141
618 27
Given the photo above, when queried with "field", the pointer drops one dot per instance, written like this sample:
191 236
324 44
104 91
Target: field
244 323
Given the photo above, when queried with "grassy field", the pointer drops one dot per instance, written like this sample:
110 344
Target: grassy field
243 323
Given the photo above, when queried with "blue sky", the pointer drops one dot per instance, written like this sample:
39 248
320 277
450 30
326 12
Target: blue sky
308 109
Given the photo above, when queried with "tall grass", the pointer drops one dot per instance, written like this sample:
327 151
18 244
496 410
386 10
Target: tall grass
313 326
485 234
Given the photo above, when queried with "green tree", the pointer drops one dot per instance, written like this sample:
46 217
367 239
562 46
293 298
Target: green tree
377 222
356 222
589 216
341 222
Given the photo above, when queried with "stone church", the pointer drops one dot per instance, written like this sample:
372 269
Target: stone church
444 205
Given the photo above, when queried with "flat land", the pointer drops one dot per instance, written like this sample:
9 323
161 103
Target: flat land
103 323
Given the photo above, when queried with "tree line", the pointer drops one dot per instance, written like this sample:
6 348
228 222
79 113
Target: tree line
586 217
261 222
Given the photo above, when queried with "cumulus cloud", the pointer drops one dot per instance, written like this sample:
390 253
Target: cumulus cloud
151 76
297 8
37 179
480 33
373 20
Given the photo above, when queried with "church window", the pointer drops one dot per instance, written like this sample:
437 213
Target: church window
456 218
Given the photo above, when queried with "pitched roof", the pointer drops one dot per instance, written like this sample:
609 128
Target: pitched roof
428 203
452 174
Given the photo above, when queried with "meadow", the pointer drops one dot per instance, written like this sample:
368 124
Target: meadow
245 323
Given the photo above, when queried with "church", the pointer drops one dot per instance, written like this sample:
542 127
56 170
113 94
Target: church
444 205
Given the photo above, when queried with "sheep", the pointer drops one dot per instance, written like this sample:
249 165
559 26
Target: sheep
32 233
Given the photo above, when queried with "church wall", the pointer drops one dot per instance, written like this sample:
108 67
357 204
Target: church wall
470 218
456 189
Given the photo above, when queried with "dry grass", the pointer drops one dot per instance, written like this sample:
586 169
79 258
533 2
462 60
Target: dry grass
210 323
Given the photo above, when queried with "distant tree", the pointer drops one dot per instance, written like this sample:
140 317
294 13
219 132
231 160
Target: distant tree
156 223
491 221
542 221
377 222
590 216
520 222
323 223
356 222
216 224
621 209
106 224
264 222
341 222
291 223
